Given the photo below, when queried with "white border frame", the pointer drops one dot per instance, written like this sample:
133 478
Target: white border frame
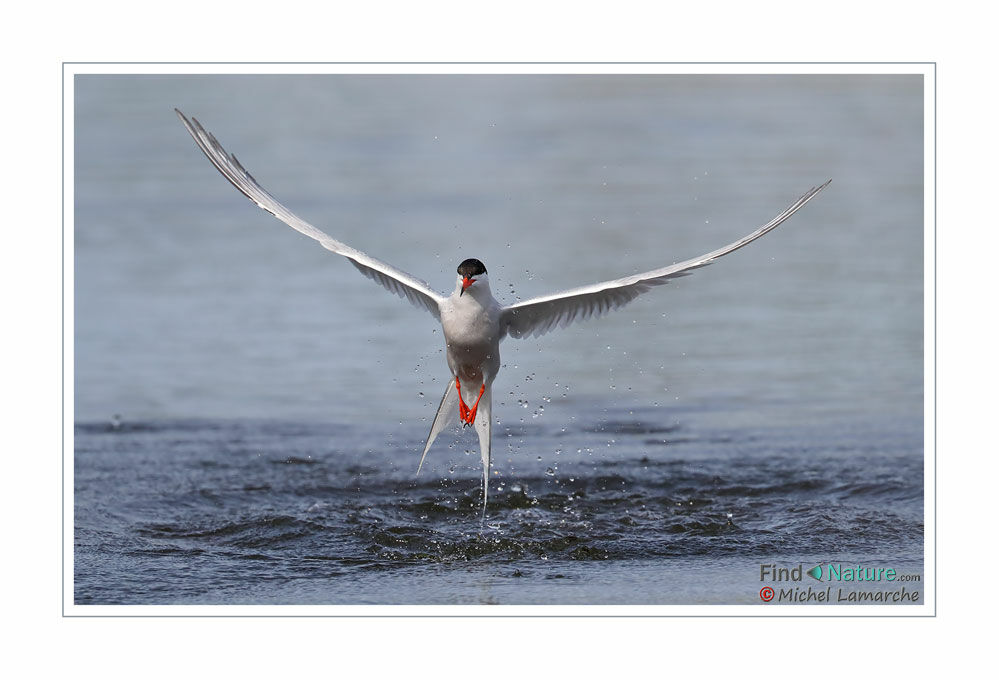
928 608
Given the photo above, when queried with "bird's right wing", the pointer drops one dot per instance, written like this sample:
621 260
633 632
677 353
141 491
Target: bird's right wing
538 316
395 280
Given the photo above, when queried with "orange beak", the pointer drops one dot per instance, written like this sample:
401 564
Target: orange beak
465 284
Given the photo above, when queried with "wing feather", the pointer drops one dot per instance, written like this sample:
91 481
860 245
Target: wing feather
417 291
541 315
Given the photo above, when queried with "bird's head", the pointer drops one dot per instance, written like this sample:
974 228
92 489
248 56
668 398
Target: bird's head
470 271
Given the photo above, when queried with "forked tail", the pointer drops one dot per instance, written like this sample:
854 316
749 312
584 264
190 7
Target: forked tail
447 414
484 427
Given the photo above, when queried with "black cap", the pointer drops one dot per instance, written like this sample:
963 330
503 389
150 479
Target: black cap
471 267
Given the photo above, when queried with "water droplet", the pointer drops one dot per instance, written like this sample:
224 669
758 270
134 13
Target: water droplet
550 472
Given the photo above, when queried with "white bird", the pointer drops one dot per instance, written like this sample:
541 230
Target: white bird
474 322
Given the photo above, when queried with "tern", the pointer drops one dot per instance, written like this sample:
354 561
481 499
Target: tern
474 322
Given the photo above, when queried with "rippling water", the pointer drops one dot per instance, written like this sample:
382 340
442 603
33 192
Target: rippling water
283 512
250 411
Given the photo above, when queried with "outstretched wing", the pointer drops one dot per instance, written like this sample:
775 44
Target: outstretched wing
397 281
540 315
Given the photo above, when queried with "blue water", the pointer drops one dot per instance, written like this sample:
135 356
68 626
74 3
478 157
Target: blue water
250 411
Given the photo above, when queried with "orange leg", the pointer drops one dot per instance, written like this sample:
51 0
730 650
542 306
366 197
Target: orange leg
462 409
471 412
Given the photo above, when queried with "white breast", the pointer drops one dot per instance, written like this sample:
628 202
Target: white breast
471 331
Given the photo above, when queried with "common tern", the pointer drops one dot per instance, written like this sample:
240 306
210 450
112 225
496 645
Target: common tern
474 322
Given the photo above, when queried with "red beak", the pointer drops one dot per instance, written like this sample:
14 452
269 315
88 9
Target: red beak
465 284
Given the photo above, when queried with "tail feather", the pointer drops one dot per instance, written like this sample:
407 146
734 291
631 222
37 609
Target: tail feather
447 414
483 426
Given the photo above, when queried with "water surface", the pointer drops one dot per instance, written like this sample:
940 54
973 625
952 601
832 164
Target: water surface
250 411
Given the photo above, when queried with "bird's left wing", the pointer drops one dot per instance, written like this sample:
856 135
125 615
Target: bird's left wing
538 316
395 280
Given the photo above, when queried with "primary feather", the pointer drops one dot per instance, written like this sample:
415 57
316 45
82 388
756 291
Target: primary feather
417 291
